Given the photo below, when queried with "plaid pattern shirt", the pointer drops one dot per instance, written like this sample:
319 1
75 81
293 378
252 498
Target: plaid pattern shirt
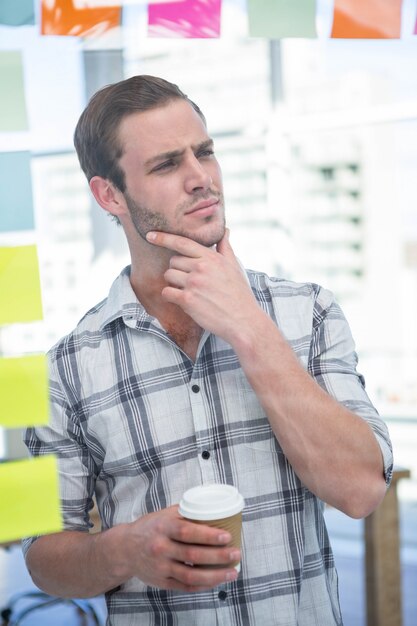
136 422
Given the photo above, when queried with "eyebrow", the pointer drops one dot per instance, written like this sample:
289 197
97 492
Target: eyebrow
174 154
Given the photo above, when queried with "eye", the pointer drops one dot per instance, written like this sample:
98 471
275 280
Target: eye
166 165
207 152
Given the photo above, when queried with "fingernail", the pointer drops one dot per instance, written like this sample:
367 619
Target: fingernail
224 538
232 575
151 236
234 555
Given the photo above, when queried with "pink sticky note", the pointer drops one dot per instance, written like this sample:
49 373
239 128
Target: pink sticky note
198 19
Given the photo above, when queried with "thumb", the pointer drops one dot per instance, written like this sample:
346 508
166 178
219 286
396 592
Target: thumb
224 247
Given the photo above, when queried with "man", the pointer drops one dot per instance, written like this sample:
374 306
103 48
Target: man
191 372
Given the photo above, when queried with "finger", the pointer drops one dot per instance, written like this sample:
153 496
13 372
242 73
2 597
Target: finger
177 243
174 296
183 263
192 533
202 555
202 577
170 583
176 278
175 585
224 247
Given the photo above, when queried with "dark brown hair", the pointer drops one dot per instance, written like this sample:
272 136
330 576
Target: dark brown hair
96 134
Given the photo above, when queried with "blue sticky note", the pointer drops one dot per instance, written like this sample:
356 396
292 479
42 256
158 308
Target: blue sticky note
16 201
17 12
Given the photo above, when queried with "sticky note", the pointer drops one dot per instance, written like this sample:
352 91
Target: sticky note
12 102
367 19
20 292
94 4
29 502
197 19
16 201
277 19
64 17
17 13
23 391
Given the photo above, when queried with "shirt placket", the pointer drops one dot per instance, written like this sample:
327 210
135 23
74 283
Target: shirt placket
206 454
207 458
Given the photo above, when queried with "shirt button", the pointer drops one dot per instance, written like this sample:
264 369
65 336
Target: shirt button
195 388
222 595
205 454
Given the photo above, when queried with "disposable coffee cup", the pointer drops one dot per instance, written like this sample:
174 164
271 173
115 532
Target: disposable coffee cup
219 506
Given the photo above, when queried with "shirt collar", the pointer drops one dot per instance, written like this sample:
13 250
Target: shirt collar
122 302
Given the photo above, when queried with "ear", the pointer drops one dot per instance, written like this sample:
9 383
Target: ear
108 196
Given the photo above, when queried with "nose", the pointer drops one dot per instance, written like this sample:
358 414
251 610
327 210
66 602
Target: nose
197 176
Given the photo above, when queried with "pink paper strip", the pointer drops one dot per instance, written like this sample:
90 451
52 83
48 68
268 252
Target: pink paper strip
198 19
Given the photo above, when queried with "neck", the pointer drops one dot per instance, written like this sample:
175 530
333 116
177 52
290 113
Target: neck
147 280
147 276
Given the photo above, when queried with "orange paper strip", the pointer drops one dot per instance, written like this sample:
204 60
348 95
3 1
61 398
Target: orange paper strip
367 19
61 17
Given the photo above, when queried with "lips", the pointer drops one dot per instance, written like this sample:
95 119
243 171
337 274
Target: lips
203 205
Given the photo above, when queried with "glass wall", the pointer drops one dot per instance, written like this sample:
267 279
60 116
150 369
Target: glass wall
318 144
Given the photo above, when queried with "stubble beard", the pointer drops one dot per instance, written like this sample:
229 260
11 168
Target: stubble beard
146 220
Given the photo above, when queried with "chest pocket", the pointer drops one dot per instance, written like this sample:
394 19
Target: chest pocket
247 409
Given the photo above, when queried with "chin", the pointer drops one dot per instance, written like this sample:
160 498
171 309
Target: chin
209 239
207 242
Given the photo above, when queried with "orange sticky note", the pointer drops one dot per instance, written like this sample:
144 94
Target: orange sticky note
65 17
367 19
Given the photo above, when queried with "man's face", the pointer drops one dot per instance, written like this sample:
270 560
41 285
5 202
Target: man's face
173 180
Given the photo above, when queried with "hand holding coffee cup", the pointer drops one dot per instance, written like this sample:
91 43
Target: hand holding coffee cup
218 506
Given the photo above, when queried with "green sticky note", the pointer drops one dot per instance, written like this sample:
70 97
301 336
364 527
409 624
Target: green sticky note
277 19
29 502
12 102
23 391
16 201
20 292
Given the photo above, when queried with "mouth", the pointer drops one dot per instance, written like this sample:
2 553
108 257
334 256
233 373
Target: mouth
204 208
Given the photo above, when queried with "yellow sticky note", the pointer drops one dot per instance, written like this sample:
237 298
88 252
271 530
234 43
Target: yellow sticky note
20 291
29 500
23 391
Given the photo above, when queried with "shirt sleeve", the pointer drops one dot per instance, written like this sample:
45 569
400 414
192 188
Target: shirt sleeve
63 437
333 362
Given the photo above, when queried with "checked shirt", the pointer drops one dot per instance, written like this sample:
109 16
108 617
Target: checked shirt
136 422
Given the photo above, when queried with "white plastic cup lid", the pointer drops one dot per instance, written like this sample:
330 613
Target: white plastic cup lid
210 502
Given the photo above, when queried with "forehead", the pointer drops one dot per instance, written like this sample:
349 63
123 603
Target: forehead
174 126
